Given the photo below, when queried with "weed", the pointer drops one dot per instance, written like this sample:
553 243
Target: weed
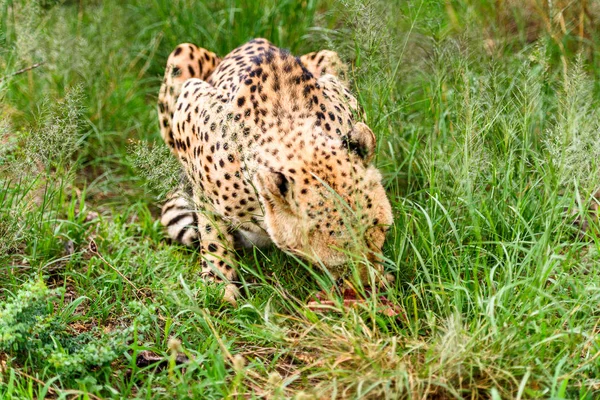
34 332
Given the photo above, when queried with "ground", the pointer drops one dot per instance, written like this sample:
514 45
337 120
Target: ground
488 130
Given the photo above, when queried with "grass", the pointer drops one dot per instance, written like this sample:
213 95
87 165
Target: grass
488 130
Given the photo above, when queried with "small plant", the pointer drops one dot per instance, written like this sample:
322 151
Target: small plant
158 166
574 141
34 332
57 140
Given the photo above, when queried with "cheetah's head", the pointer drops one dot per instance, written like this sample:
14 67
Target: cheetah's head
328 208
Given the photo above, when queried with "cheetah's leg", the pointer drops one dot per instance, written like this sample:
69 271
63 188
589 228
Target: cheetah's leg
185 62
325 62
216 244
195 226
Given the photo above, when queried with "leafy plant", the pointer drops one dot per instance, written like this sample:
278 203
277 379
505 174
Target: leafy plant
34 332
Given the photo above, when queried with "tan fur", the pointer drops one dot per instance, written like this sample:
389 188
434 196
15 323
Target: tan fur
272 149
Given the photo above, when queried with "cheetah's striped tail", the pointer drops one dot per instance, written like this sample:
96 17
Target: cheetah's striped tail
180 219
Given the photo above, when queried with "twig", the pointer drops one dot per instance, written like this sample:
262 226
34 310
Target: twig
22 71
53 390
33 378
79 393
94 249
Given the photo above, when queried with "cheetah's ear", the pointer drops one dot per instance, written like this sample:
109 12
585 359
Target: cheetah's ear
273 186
361 141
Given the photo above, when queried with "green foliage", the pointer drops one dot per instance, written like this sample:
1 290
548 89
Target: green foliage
12 229
25 318
33 331
54 143
573 141
157 165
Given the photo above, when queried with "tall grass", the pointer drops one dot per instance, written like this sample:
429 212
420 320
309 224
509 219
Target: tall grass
485 114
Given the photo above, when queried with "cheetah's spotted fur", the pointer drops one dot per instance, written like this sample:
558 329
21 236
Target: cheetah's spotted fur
273 152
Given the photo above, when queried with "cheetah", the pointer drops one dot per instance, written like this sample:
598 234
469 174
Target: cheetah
273 152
